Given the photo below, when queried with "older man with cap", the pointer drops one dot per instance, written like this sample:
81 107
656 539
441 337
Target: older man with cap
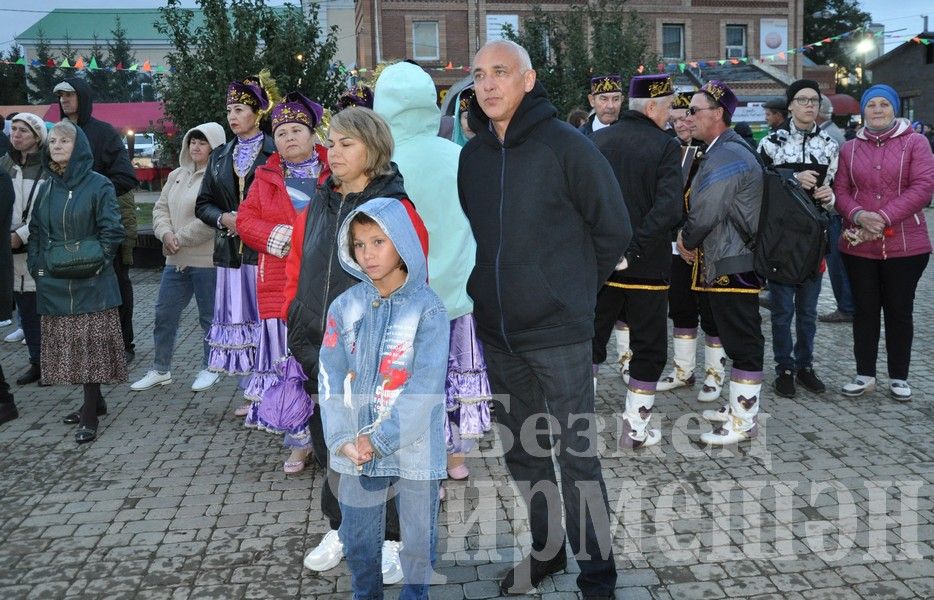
113 162
776 114
24 165
647 164
550 224
726 198
811 155
606 99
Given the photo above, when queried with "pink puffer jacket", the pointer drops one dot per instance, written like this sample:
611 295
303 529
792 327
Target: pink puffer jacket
893 175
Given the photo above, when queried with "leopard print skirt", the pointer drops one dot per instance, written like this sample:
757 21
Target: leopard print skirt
84 348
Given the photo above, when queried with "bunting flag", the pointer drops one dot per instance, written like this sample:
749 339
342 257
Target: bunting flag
79 64
93 66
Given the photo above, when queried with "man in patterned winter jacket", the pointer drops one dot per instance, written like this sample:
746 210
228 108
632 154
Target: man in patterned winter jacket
811 154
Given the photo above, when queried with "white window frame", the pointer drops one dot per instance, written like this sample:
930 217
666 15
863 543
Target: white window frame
437 48
734 51
681 29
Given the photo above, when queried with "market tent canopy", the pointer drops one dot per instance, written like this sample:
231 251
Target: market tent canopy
844 104
40 110
138 116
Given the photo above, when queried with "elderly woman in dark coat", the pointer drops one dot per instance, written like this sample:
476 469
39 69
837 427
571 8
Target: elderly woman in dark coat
74 234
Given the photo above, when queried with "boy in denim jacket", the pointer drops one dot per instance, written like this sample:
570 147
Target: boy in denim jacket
383 365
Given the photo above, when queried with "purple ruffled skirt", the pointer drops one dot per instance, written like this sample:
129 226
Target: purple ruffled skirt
467 390
234 331
272 348
286 407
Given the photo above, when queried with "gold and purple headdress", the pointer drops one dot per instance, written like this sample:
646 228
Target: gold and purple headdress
682 100
249 92
720 92
651 86
358 95
463 101
296 108
605 84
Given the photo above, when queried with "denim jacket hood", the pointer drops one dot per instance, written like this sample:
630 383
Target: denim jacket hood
383 361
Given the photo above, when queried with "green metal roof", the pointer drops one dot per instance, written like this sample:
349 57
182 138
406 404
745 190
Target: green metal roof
84 23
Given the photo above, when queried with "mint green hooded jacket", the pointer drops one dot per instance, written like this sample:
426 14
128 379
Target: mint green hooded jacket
405 96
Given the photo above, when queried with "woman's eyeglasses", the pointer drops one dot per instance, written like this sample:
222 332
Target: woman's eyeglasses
807 101
693 110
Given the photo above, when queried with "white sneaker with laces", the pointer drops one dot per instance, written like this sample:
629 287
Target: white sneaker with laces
151 380
327 554
204 380
16 336
392 569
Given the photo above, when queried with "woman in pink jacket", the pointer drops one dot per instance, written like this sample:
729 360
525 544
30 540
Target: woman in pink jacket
885 180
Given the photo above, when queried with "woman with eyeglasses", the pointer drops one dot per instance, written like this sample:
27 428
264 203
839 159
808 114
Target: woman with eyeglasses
885 180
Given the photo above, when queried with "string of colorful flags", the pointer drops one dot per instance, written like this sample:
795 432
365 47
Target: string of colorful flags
147 67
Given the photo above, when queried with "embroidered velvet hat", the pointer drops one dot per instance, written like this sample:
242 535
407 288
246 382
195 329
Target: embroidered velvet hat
249 92
358 95
682 100
651 86
296 108
722 93
605 84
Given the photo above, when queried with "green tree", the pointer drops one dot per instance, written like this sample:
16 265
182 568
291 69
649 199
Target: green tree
13 78
122 85
238 38
567 48
99 78
828 18
41 79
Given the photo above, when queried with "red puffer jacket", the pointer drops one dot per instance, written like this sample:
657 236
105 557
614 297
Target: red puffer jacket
893 175
267 205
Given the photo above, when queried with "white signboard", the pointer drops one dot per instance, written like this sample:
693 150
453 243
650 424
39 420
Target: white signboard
495 23
751 113
773 38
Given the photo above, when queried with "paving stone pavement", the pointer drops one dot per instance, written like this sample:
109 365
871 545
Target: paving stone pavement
176 500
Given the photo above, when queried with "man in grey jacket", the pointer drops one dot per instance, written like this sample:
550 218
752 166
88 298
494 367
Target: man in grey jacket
725 204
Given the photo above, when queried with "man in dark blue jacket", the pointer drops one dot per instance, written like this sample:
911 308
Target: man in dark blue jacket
550 224
113 162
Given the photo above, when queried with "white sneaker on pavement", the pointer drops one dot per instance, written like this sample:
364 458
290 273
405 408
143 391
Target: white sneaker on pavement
204 380
16 336
327 554
392 569
151 380
6 322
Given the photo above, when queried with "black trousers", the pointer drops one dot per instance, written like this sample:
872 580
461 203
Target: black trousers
32 323
683 302
555 383
645 311
126 308
329 503
5 396
887 287
739 324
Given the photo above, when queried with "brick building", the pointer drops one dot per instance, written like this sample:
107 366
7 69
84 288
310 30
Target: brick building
439 33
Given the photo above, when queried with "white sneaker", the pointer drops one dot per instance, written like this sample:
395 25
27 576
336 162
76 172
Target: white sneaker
859 386
151 380
327 554
392 569
900 390
721 415
204 380
16 336
6 322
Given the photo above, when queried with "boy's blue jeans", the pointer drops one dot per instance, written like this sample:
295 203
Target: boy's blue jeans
175 292
798 302
363 506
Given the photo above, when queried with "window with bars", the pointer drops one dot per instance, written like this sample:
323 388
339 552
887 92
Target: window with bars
426 43
673 41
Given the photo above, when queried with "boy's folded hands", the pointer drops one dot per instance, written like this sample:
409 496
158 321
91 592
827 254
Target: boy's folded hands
359 453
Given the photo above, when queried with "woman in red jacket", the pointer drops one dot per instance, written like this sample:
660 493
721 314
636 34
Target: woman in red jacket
885 180
282 188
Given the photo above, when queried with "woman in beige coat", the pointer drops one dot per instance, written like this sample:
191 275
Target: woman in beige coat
187 244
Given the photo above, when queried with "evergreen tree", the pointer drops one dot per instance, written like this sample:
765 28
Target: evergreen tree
238 38
13 78
123 86
99 78
41 79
